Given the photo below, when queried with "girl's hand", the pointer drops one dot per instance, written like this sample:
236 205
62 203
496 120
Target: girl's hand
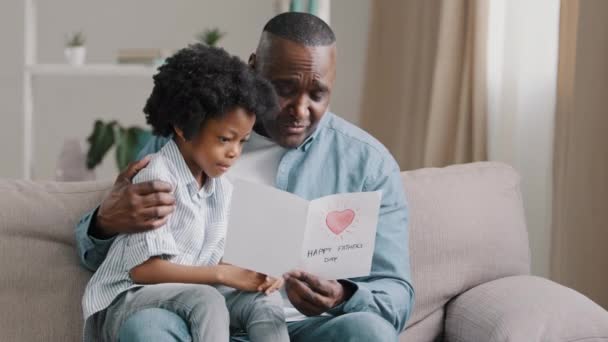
274 284
247 280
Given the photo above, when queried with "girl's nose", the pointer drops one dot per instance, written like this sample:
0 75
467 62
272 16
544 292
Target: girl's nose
233 152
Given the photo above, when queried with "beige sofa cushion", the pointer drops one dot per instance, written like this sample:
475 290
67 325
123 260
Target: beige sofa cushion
467 227
525 308
41 280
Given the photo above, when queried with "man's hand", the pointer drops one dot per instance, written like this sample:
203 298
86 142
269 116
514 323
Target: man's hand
132 208
312 295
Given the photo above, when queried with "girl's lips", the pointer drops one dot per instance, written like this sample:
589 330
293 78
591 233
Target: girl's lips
223 167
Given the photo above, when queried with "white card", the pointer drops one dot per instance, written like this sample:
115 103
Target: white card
273 231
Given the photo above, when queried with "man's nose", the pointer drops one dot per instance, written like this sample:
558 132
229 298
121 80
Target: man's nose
301 110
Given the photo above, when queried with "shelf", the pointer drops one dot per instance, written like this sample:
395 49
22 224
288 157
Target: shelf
92 70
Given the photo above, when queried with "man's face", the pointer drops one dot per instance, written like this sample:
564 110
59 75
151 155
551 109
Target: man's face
303 77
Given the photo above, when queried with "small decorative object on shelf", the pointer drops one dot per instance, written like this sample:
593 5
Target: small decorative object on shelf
128 141
210 37
71 163
75 51
152 56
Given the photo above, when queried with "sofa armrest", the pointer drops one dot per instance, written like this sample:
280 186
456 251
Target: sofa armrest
524 308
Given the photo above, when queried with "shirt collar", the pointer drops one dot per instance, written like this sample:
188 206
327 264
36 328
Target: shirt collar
320 126
183 173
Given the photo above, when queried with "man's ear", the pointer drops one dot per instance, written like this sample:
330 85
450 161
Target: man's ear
252 59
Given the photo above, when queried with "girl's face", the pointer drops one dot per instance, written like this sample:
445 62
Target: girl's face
218 144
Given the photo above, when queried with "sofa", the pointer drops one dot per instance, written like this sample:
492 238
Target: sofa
468 243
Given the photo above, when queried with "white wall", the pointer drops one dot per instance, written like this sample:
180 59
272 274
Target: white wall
522 58
11 32
66 107
350 21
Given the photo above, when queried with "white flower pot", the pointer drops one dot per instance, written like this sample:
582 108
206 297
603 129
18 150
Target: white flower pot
71 165
75 55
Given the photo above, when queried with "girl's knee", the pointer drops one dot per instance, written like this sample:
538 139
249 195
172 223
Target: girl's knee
271 304
198 302
205 293
154 324
273 299
261 300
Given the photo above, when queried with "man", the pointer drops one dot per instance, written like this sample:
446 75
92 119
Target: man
307 151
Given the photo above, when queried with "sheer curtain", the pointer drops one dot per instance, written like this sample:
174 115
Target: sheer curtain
580 211
425 91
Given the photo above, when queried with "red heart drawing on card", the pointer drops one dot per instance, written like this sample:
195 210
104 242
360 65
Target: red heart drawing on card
338 221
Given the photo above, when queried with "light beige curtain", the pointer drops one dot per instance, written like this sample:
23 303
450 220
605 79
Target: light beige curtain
425 92
580 205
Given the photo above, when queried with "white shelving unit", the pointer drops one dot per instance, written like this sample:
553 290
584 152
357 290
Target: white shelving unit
90 70
33 69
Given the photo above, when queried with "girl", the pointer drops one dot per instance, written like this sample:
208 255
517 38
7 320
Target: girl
206 101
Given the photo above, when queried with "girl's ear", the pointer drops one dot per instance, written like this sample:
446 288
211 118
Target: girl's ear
252 60
179 133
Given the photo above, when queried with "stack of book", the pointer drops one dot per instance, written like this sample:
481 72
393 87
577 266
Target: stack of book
142 56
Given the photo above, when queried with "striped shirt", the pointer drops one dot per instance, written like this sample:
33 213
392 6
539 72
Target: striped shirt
193 235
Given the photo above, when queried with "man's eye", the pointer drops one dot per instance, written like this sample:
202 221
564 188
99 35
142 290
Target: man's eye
283 89
317 95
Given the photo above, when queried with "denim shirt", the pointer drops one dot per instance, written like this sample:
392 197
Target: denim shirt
337 158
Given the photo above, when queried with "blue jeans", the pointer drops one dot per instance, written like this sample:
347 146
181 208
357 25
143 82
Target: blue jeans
190 312
162 325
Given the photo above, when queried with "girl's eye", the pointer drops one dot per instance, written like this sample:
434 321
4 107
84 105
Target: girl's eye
224 139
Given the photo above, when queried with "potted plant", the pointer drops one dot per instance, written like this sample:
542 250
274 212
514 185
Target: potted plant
75 51
210 37
128 141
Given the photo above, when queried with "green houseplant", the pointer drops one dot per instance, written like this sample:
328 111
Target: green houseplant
127 140
76 39
210 37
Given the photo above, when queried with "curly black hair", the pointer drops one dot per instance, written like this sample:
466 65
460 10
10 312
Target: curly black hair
201 82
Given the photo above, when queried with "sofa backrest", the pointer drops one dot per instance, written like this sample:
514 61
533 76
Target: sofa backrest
41 281
467 227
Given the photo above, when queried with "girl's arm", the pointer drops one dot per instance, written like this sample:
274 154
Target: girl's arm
156 271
